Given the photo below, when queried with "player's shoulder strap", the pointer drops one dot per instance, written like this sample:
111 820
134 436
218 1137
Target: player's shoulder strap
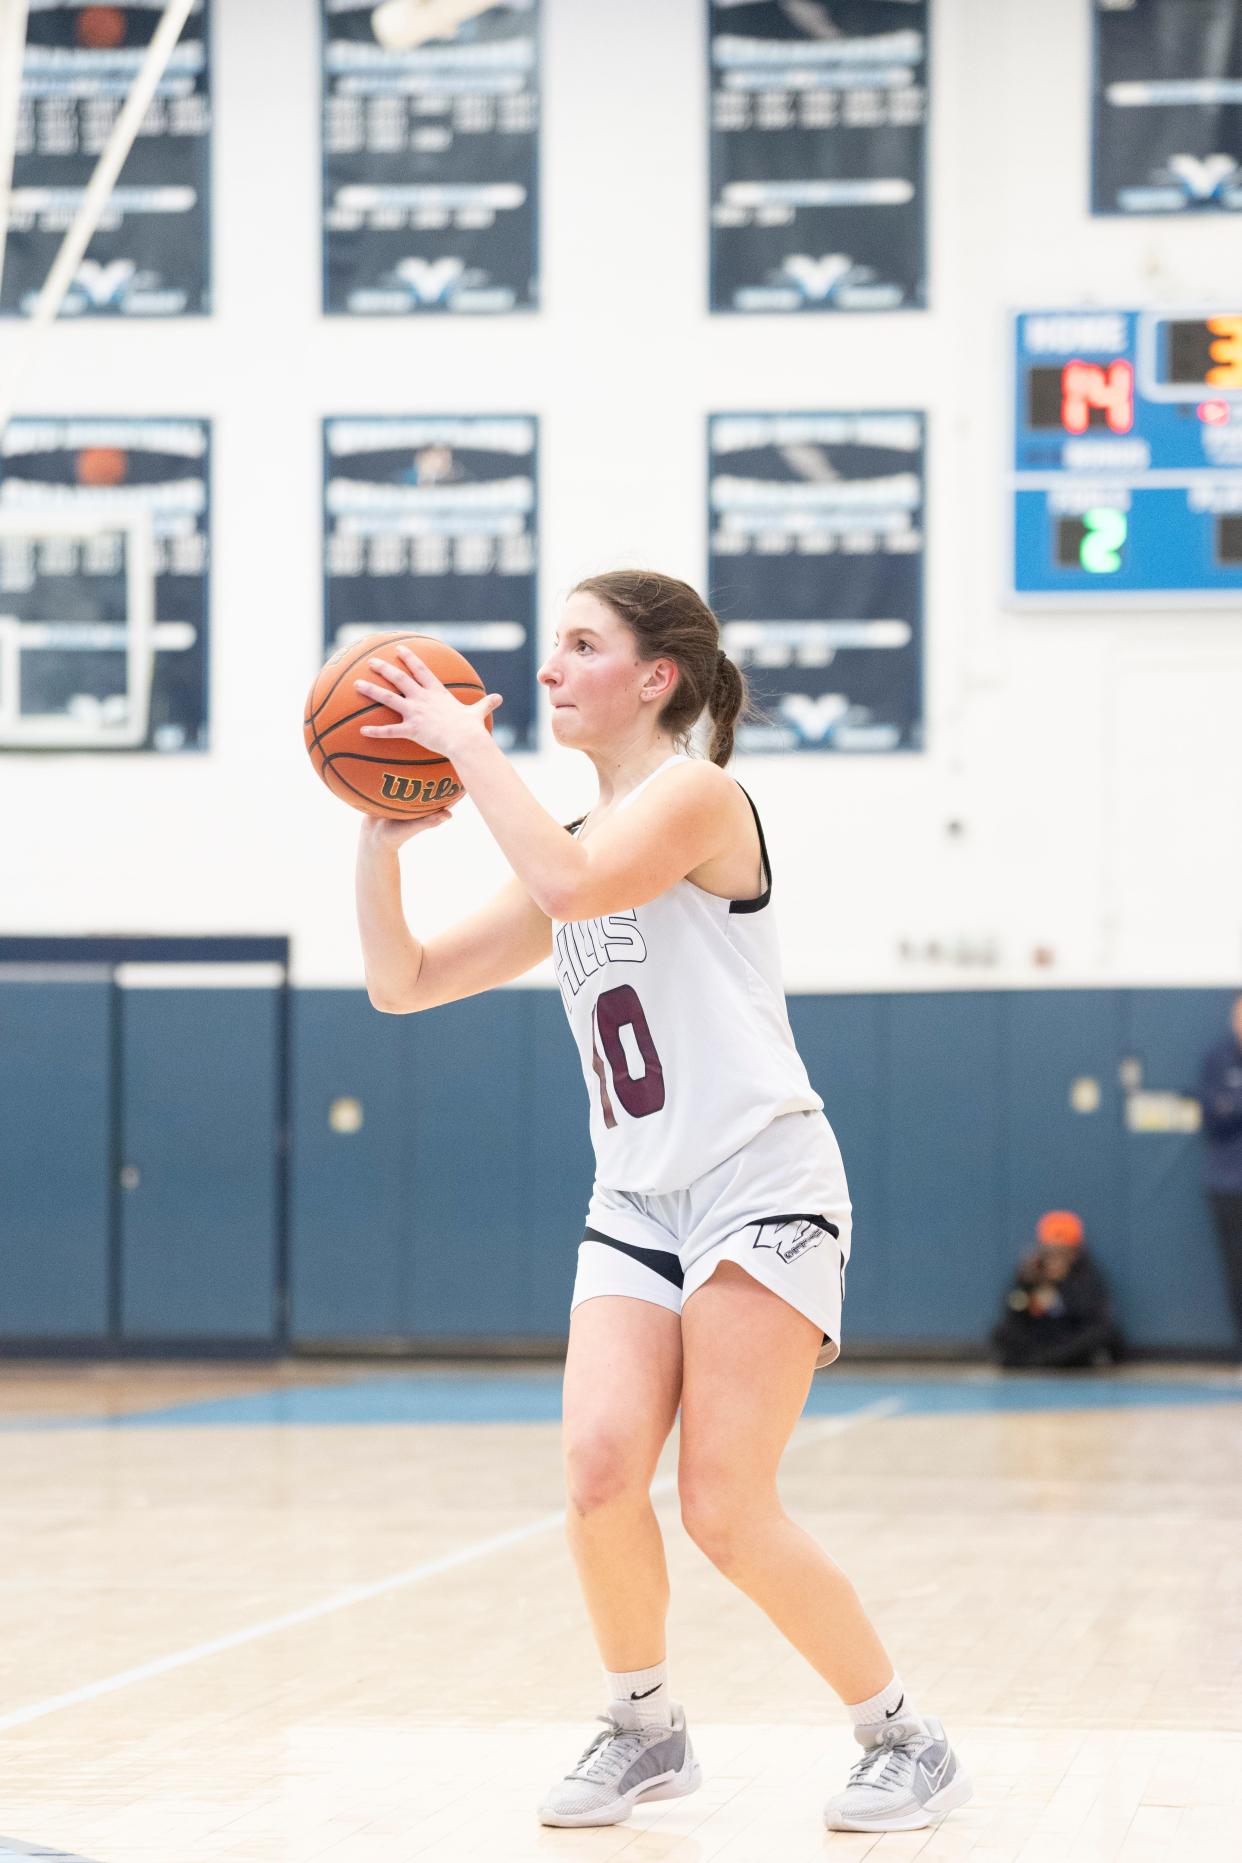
735 905
756 905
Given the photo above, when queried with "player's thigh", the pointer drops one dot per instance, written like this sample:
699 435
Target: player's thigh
623 1373
748 1360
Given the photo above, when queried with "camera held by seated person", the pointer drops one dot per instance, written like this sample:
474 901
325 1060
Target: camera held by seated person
1057 1313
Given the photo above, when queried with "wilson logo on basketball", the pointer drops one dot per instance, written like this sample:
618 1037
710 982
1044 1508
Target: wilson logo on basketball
413 789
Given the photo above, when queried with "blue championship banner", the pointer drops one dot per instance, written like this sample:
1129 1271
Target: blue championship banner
430 523
816 573
1167 107
150 255
818 154
431 165
84 632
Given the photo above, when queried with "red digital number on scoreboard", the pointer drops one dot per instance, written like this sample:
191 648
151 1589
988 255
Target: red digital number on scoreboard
1087 387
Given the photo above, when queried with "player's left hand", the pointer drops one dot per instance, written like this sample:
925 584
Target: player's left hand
426 710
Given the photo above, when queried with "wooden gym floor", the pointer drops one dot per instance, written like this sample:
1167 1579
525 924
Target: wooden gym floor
273 1615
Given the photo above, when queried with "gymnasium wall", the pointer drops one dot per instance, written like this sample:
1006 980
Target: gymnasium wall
1078 796
437 1167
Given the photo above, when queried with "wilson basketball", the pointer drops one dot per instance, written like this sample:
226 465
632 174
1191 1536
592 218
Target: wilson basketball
382 776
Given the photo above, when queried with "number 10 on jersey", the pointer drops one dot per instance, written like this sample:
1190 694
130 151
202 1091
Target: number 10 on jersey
640 1096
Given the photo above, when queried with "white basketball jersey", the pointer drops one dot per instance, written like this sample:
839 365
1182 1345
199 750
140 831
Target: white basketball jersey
678 1011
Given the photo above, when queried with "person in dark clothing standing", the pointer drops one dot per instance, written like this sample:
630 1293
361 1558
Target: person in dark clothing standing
1220 1097
1058 1313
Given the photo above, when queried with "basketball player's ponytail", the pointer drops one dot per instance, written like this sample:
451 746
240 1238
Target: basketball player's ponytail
725 706
671 622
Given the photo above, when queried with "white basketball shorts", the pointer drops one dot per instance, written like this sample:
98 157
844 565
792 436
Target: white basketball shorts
779 1207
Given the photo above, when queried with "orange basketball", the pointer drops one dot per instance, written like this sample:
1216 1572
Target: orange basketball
102 465
382 776
101 27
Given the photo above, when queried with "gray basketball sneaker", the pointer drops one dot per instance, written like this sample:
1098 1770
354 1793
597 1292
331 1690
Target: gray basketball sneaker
624 1765
909 1776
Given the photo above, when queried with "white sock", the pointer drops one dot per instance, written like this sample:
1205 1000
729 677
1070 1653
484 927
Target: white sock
886 1706
646 1690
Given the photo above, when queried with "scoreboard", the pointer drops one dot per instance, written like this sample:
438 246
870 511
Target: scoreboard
1127 472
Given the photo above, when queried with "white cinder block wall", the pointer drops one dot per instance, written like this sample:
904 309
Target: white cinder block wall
1080 791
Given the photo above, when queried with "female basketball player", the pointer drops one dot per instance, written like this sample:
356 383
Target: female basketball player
712 1265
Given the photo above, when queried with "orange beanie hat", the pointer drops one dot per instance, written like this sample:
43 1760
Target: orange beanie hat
1059 1229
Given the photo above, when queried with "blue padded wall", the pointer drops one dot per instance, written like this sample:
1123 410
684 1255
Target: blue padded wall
454 1211
198 1122
842 1039
470 1212
350 1264
462 1197
943 1165
55 1159
562 1165
1055 1157
957 1128
1171 1285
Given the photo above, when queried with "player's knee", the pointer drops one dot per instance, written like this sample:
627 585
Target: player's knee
600 1468
718 1515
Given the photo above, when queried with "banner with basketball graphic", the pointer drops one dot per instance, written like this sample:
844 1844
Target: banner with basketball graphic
818 154
816 571
431 164
104 549
150 255
1167 107
431 524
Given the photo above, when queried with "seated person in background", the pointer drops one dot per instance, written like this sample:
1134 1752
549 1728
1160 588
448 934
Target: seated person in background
1058 1311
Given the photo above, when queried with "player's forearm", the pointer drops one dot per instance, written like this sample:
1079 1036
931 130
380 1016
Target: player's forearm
549 862
392 957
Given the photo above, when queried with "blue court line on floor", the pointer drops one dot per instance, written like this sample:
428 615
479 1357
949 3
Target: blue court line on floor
1026 1392
11 1851
471 1397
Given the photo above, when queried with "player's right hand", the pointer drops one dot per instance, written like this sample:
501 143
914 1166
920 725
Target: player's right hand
384 832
